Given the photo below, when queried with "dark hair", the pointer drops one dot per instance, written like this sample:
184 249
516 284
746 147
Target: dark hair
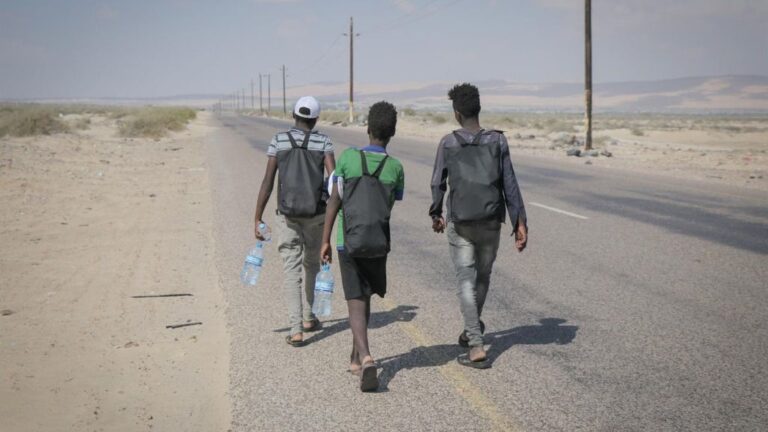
382 119
308 122
466 99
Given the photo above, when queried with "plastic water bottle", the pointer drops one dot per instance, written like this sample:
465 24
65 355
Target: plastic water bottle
323 292
254 261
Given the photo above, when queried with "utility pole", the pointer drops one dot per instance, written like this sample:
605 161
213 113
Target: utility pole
261 104
244 100
588 72
269 93
352 35
285 110
252 105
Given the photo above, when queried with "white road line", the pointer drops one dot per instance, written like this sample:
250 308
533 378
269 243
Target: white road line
557 210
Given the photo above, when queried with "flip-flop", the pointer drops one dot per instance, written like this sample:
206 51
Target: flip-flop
293 343
464 340
368 380
314 327
464 360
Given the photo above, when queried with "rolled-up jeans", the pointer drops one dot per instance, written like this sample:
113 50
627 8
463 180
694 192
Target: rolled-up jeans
473 249
299 246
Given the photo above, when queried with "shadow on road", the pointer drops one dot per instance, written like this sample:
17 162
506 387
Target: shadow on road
550 331
403 313
683 217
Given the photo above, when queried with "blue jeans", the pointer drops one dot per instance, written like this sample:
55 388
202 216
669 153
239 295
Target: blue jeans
473 250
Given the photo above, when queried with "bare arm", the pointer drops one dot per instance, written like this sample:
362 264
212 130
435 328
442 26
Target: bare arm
267 184
330 163
331 210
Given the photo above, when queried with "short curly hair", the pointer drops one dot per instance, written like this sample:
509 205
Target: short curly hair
466 99
382 120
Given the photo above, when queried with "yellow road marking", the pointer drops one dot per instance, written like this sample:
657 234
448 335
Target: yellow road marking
455 376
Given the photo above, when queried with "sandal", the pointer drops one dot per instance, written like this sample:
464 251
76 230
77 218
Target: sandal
464 360
369 382
314 325
294 343
464 340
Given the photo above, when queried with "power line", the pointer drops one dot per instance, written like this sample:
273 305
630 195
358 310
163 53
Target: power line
414 17
403 17
321 57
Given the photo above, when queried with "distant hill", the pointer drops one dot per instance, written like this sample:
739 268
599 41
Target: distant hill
718 94
695 94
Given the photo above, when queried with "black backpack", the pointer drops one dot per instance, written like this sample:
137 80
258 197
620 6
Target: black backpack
300 180
366 213
474 177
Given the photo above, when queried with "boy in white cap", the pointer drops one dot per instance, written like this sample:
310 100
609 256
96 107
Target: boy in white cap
298 156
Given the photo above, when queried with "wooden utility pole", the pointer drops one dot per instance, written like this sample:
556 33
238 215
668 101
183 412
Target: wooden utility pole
261 103
352 35
588 72
252 104
269 93
285 109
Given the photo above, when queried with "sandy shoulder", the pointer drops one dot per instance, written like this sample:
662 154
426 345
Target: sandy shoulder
737 159
89 220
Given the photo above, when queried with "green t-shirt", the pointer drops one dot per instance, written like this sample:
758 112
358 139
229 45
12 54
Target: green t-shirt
349 166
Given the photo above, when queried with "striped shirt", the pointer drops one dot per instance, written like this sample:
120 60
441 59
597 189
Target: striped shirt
317 142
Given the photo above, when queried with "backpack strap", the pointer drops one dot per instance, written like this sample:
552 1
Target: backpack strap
463 142
478 137
378 170
304 144
460 138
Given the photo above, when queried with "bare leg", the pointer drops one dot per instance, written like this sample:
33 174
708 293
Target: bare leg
359 314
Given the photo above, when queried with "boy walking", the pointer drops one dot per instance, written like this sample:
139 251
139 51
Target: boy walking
369 181
298 156
475 163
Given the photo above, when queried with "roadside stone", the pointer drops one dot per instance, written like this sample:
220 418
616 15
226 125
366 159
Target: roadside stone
573 152
589 162
6 312
606 153
593 153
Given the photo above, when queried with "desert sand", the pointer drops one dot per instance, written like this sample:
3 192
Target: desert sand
89 220
735 158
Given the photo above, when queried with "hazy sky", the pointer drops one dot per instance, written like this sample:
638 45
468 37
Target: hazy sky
146 48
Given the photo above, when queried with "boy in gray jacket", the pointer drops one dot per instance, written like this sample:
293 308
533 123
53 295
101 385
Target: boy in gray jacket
475 163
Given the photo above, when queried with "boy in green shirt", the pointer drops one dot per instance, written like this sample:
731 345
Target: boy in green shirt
363 257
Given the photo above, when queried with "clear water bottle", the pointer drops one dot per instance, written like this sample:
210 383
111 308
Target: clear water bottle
254 261
323 292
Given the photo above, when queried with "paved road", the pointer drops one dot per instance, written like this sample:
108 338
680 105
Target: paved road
639 305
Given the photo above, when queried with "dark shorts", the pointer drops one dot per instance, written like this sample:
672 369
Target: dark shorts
362 276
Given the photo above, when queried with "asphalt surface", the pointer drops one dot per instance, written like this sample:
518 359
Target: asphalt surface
640 304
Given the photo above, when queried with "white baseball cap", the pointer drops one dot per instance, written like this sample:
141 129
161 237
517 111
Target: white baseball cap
307 107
